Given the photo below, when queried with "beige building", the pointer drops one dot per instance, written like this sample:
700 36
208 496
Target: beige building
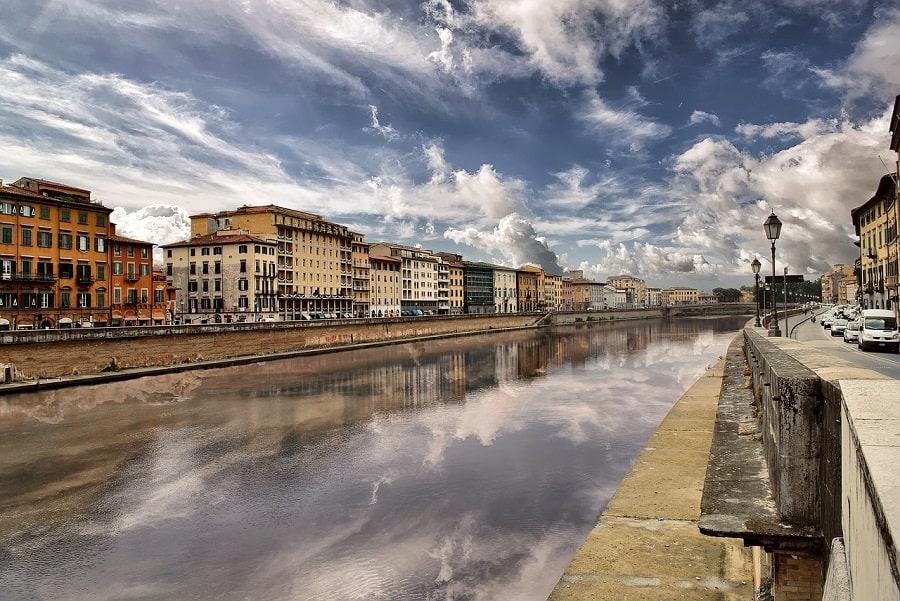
680 296
635 289
505 290
314 257
420 276
385 288
362 278
225 277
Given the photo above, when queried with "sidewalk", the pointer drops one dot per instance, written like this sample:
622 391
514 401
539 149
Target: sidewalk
647 544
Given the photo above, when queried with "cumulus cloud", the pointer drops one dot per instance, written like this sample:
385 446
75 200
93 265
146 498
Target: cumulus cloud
514 239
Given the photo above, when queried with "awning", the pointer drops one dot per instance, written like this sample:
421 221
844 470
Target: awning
63 320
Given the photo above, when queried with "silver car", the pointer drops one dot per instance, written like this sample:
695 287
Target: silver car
851 332
838 326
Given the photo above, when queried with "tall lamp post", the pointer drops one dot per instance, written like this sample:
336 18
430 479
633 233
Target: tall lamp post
755 265
773 230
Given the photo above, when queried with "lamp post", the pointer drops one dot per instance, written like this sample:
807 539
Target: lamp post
755 265
773 231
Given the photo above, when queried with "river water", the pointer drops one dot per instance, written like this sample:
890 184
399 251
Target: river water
463 469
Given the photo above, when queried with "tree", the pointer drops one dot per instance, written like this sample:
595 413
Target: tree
727 295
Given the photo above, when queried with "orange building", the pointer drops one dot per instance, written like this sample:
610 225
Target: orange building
54 256
134 301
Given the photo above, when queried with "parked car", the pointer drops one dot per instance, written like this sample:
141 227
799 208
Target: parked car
851 333
838 326
827 320
878 330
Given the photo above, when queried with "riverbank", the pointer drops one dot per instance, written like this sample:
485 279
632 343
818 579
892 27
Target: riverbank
647 543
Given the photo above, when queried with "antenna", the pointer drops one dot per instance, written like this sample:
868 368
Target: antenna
889 171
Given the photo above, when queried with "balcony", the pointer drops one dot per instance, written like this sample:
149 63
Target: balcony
38 278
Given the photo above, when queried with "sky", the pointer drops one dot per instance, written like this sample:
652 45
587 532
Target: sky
614 137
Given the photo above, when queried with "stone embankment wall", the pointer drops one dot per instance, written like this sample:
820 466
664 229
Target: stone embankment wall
57 353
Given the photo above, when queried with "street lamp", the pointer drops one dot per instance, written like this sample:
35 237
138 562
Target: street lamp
755 265
773 230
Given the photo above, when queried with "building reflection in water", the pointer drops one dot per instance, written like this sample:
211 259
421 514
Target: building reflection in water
463 468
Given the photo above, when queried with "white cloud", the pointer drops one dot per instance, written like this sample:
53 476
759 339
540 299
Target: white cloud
514 238
622 127
701 116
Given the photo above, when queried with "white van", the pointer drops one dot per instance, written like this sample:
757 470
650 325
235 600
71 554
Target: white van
878 330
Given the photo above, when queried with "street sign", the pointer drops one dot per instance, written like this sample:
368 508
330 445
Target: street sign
780 279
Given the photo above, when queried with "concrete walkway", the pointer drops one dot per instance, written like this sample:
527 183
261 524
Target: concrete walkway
647 544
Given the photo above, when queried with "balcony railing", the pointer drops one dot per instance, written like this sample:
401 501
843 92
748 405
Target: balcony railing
40 278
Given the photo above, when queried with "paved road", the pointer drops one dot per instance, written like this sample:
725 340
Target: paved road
815 335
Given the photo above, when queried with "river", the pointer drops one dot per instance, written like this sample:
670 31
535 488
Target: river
469 468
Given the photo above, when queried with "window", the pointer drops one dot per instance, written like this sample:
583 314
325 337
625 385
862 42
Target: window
192 268
101 298
100 244
145 269
44 270
217 250
64 215
169 253
130 272
83 243
243 284
27 211
242 249
26 236
7 234
132 296
145 252
192 286
157 296
45 300
84 299
25 266
45 238
66 271
101 272
205 269
101 220
130 252
45 212
217 267
82 217
84 273
168 269
117 268
205 285
217 285
204 252
243 303
193 251
243 266
117 250
145 295
205 304
117 296
65 240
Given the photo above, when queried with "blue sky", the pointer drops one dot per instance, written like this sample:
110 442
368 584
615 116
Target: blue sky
612 136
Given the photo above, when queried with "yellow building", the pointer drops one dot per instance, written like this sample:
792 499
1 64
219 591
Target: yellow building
875 223
314 263
54 256
530 285
680 296
386 291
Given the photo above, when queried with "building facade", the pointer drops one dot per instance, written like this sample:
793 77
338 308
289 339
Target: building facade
314 257
419 275
134 301
54 256
479 287
362 277
875 224
505 290
635 289
223 277
386 291
680 296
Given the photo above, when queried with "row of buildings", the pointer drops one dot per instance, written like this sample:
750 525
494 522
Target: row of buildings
62 264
